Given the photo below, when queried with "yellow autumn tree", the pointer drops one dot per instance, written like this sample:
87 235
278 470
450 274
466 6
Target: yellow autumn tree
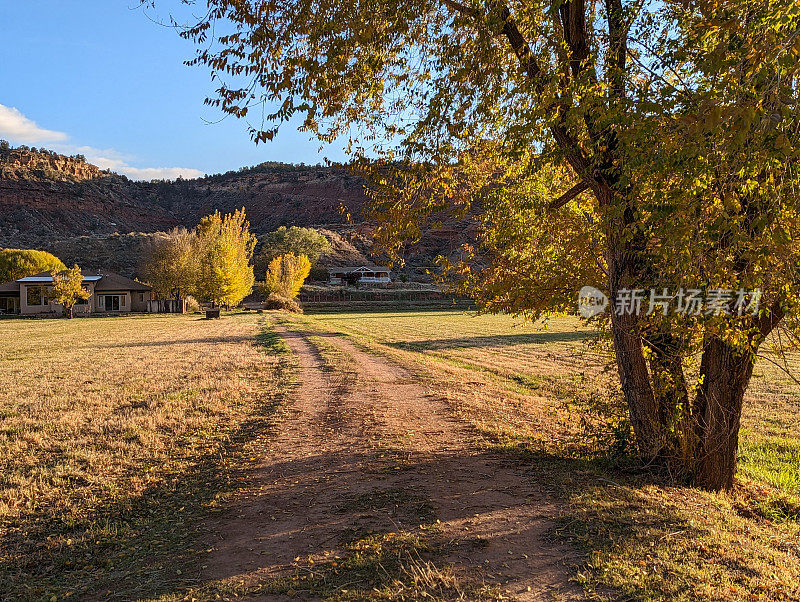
225 248
171 264
286 274
18 263
68 289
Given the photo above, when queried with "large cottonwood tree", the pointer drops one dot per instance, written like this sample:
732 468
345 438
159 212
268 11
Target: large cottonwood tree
171 264
672 126
19 263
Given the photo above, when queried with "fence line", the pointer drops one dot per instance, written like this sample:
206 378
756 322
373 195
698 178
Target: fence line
377 296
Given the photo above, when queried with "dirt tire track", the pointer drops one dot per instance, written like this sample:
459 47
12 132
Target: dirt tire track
325 453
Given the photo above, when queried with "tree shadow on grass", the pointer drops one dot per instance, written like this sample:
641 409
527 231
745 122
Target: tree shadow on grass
375 534
609 512
504 340
148 546
645 536
174 342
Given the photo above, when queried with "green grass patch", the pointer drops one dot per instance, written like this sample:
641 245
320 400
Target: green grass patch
772 459
272 342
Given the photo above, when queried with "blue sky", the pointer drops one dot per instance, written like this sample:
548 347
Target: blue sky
100 78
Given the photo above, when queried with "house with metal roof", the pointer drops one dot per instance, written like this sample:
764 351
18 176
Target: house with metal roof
109 292
372 274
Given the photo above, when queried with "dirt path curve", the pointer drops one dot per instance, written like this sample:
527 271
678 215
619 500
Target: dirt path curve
366 449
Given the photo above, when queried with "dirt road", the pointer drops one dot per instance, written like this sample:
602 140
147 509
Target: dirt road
371 485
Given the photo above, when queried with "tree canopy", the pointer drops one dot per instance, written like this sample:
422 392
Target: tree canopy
171 264
68 288
224 250
19 263
211 262
628 145
296 240
286 275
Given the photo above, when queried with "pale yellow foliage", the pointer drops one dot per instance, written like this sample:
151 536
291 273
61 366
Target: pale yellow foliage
172 264
286 274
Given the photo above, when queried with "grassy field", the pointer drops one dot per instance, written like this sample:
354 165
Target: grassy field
550 397
116 434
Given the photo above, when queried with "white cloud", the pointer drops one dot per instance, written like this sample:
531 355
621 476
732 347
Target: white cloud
108 158
142 173
161 173
17 128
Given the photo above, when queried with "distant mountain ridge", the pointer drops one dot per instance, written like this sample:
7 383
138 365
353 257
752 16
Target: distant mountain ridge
45 197
101 219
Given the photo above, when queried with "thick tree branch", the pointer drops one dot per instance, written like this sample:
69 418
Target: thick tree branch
572 20
767 321
569 195
568 143
618 47
573 23
578 41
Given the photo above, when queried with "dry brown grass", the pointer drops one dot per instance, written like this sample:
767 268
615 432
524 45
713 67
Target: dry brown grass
109 428
117 435
551 398
518 383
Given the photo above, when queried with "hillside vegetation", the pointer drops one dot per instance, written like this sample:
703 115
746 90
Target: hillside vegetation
100 219
46 197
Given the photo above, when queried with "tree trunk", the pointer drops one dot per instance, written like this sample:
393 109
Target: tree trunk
725 374
631 363
635 382
672 400
701 439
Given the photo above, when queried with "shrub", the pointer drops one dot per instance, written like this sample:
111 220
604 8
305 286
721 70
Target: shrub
319 274
276 301
192 305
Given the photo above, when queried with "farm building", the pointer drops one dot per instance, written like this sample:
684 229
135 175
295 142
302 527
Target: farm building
110 293
367 274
